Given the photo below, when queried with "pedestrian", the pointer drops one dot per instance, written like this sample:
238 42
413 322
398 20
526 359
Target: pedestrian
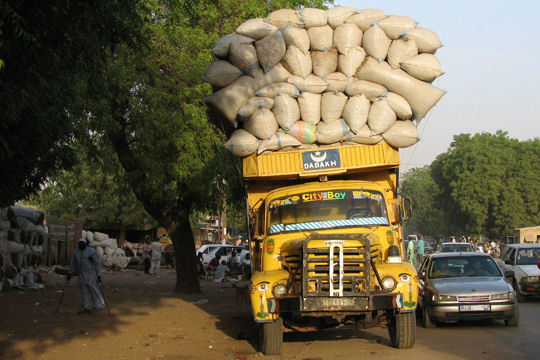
420 254
157 249
146 255
221 270
410 252
86 265
169 256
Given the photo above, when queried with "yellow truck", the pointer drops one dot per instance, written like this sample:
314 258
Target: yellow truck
326 243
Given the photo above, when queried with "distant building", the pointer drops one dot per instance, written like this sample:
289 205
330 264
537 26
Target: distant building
528 235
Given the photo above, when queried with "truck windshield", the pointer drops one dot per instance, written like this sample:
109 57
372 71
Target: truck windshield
326 210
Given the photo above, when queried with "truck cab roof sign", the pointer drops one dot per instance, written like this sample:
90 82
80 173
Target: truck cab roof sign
321 159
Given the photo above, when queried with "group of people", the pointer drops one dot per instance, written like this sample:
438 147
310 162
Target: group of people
415 254
225 264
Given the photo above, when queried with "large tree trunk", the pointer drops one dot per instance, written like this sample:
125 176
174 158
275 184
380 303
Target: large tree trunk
187 278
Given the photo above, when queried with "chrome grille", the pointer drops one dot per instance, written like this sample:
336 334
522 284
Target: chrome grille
474 298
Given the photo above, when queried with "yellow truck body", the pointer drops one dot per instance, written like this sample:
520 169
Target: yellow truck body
326 242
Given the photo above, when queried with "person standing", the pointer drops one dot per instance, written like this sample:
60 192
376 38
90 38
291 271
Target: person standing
146 255
86 265
410 252
420 254
157 249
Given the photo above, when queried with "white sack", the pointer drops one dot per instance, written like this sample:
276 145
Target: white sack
244 57
420 95
221 48
363 136
324 62
366 17
396 25
376 43
100 250
321 37
108 251
270 50
262 123
284 17
119 252
303 131
348 64
299 62
337 15
242 143
15 247
256 29
381 117
297 37
310 107
331 131
256 102
401 134
98 236
279 88
221 73
337 81
89 236
311 17
332 105
370 89
426 40
401 50
424 67
399 105
346 37
356 112
278 141
286 111
312 83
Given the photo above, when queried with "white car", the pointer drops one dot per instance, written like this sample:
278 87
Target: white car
523 260
222 250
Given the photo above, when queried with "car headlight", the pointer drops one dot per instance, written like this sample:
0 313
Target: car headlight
530 279
389 283
279 290
501 296
444 298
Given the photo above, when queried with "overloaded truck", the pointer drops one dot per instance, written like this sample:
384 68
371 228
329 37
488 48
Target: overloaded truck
326 236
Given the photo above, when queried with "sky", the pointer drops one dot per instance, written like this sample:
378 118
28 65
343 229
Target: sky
491 60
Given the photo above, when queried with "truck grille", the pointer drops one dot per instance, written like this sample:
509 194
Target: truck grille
336 266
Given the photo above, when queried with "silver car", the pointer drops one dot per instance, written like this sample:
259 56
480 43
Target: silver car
465 286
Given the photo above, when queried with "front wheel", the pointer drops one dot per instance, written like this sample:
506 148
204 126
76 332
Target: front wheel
402 329
519 296
272 337
514 321
426 319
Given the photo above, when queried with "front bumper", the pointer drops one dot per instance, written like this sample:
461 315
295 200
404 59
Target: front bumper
529 288
449 312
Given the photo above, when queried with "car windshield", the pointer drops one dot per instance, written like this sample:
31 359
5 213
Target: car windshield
463 266
326 210
529 256
456 247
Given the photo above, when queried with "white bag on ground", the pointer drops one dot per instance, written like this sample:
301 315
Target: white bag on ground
108 251
311 17
399 105
321 37
242 143
381 117
376 43
98 236
286 111
356 112
221 48
366 17
253 104
276 89
348 64
221 73
346 37
401 50
312 83
244 57
396 25
297 37
310 107
337 81
370 89
337 15
332 105
363 136
100 250
402 134
284 17
324 62
256 28
330 132
299 62
262 123
278 141
426 40
270 50
424 67
420 95
89 236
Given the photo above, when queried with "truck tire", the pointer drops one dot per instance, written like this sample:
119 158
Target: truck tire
514 321
271 337
426 319
402 329
519 296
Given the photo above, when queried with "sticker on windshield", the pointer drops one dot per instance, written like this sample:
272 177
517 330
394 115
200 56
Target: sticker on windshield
327 195
366 195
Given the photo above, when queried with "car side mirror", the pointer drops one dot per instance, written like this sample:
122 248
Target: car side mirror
508 262
423 274
509 274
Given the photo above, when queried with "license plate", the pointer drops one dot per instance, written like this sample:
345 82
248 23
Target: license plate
333 242
474 307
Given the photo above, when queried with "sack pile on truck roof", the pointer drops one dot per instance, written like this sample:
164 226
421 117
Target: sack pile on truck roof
311 77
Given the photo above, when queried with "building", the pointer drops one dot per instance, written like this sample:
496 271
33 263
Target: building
527 235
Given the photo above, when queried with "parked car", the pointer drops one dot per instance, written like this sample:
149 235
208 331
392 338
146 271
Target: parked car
222 251
522 259
465 286
456 247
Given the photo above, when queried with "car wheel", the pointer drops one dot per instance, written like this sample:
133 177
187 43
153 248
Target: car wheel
519 296
272 337
514 321
426 319
402 329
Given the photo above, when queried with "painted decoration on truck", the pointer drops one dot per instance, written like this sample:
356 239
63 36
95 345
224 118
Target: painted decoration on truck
274 229
321 159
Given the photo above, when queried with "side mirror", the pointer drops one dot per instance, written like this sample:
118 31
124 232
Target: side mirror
423 274
509 274
406 208
508 262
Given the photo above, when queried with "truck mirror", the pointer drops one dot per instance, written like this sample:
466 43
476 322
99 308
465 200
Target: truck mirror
394 215
405 208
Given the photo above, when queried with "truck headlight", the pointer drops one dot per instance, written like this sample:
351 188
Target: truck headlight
389 283
530 279
279 290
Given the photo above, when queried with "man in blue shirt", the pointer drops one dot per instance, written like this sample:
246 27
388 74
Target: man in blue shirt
420 253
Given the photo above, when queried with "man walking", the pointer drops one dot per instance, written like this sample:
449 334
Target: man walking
157 249
86 264
420 253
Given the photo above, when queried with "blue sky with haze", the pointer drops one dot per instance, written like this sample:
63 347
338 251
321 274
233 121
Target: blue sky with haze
491 60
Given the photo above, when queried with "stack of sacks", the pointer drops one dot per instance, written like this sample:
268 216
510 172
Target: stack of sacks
317 77
107 249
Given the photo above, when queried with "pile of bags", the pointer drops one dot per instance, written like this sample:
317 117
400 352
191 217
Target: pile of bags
316 77
107 248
